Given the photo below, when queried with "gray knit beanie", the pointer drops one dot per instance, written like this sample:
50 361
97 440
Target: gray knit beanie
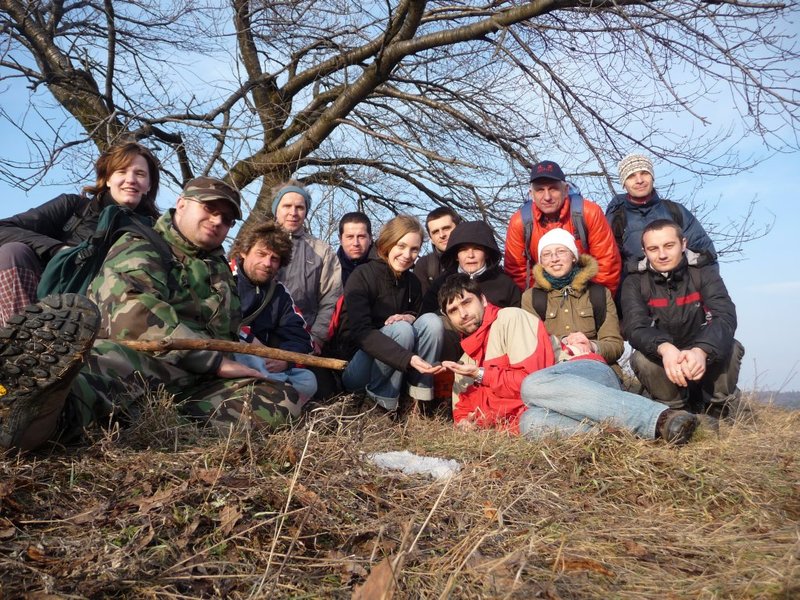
633 163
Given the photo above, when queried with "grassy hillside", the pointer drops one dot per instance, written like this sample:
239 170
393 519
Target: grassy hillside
167 510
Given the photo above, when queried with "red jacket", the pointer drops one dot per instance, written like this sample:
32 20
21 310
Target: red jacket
510 344
602 245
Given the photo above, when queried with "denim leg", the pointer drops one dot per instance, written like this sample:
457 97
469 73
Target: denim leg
585 390
429 334
302 380
381 381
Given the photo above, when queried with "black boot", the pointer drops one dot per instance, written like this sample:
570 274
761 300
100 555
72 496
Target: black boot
676 426
41 352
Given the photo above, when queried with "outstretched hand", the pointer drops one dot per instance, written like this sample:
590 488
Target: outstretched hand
425 367
461 369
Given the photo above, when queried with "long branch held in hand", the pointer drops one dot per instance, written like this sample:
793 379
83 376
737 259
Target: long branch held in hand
168 343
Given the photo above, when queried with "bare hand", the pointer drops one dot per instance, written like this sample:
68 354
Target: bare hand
459 369
424 367
230 369
275 366
396 318
693 363
671 357
579 340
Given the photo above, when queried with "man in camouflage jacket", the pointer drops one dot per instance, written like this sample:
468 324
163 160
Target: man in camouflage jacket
141 298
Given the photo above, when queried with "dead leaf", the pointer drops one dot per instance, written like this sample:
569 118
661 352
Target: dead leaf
161 497
37 555
489 511
141 541
584 564
228 517
636 550
380 584
90 515
308 497
7 529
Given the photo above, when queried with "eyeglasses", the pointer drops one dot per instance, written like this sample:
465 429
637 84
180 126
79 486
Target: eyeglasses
559 253
224 216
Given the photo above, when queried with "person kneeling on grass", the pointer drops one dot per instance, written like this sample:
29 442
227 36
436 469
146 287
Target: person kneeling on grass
507 377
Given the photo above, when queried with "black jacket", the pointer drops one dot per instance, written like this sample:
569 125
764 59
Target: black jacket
66 220
278 325
498 287
373 294
428 268
670 308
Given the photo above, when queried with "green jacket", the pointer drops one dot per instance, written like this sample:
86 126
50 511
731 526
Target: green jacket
139 301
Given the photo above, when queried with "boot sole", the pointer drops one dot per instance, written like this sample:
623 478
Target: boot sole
683 435
41 347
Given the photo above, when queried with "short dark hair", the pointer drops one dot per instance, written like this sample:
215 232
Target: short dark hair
660 224
456 286
438 213
270 234
355 217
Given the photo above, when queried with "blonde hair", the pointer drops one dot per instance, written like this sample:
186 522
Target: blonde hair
394 230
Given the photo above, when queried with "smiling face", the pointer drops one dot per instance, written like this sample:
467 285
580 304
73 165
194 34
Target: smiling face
205 224
465 312
548 195
260 264
557 260
663 248
471 257
402 255
128 184
291 212
355 240
639 186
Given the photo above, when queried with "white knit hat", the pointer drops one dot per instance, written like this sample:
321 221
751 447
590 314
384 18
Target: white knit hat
633 163
557 236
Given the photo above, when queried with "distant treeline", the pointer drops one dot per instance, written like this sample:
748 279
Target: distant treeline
784 399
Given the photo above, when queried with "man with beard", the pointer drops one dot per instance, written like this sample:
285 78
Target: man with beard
269 316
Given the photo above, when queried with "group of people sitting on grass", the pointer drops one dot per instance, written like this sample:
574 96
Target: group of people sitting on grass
530 339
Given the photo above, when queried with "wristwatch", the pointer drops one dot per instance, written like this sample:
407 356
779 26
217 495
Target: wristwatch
479 377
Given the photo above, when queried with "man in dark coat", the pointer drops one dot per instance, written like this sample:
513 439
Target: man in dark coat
681 321
355 240
440 223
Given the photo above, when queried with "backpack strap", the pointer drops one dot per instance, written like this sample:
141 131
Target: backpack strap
597 298
526 212
158 243
539 298
618 220
267 299
576 213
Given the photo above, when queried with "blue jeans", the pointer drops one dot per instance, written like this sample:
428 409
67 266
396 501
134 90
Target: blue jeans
573 396
302 380
382 382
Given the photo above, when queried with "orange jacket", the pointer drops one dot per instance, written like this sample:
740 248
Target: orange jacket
602 245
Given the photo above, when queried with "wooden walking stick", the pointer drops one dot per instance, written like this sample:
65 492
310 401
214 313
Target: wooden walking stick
168 343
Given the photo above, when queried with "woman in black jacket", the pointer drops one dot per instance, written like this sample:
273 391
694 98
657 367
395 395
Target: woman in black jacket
127 174
379 332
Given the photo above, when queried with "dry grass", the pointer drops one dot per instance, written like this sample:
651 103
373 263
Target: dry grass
169 511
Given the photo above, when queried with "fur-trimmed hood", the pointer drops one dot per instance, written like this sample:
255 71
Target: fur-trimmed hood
587 270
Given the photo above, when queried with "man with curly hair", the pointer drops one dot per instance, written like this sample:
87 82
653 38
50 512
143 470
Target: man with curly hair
269 316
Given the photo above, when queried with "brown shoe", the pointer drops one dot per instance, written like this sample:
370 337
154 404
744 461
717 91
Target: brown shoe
41 351
676 426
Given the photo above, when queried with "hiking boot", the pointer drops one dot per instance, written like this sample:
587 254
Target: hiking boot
41 352
676 426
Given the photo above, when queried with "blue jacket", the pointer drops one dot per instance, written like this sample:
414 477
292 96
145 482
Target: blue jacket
278 325
638 216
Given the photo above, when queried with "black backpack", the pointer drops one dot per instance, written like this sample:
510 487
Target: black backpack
597 297
72 270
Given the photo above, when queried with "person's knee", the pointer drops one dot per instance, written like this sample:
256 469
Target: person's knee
18 255
402 332
431 323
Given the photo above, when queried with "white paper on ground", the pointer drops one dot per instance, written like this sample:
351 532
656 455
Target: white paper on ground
412 464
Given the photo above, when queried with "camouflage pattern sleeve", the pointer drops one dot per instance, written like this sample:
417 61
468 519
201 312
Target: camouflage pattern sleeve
136 302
